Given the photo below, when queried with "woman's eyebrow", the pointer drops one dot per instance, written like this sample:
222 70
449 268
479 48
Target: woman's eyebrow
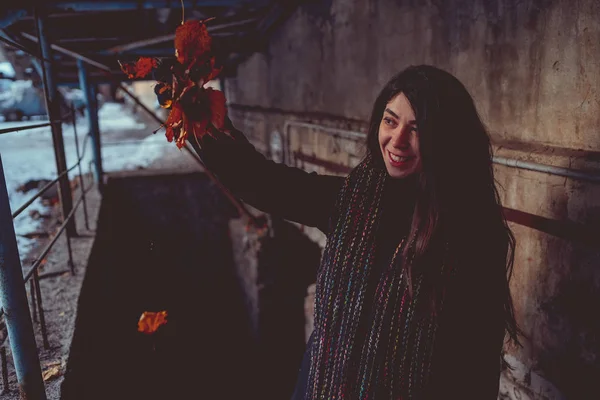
393 114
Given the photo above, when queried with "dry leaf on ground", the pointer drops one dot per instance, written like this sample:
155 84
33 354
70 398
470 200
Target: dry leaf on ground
150 321
51 373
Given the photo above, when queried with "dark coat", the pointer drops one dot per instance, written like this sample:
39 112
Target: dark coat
469 340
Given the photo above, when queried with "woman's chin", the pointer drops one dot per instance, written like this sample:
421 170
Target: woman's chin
397 173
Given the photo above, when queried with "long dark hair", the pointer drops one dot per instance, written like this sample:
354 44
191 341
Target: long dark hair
456 195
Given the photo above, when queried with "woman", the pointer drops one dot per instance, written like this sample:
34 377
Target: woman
412 298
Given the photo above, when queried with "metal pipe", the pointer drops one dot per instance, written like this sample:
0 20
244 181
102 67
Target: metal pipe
170 37
11 16
10 41
87 60
68 52
344 133
52 274
139 103
509 162
26 127
131 143
48 247
33 302
47 186
90 101
549 169
16 308
81 183
38 294
236 203
5 384
141 5
53 108
70 251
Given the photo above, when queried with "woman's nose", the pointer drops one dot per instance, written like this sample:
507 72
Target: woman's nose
400 137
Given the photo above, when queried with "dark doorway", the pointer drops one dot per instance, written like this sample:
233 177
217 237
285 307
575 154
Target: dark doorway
162 244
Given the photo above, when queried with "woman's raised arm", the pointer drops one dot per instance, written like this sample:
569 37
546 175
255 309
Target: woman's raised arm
280 190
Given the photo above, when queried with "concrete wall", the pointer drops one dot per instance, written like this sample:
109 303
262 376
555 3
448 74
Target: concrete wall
533 68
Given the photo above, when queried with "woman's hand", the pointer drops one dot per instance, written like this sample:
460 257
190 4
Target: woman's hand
228 129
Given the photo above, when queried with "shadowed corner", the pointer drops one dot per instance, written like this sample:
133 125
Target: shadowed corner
162 244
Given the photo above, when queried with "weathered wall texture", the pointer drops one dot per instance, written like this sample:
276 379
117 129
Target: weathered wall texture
533 68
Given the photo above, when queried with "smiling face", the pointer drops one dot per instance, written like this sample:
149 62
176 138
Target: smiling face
398 138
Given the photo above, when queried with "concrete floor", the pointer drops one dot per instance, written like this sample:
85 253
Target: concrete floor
60 294
162 243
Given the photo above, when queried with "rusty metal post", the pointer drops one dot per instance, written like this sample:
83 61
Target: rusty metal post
33 302
16 308
81 182
38 293
70 251
5 384
91 103
53 109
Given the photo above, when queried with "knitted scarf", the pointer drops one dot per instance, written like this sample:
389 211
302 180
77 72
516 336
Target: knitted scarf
367 344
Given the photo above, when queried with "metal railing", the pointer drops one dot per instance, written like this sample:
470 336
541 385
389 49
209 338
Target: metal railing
589 176
19 319
565 229
33 276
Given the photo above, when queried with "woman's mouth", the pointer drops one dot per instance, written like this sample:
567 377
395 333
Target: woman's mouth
398 161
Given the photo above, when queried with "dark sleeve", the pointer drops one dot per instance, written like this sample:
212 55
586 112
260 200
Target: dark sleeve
470 337
283 191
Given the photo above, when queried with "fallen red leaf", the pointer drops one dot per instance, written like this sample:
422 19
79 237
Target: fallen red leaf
150 321
51 373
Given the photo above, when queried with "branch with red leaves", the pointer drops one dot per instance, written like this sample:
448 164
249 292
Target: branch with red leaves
195 110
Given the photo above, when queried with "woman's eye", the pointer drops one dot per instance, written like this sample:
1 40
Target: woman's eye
388 121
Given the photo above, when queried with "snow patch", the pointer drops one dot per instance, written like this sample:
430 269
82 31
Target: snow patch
29 155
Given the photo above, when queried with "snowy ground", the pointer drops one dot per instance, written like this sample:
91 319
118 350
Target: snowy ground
28 155
128 144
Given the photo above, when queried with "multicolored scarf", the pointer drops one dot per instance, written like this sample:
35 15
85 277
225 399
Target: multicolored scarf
368 344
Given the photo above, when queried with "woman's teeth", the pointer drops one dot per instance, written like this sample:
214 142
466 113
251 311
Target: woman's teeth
398 158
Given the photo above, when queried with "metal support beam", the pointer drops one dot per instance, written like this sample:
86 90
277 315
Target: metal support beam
68 52
37 65
53 109
239 205
16 308
11 16
91 104
149 4
212 29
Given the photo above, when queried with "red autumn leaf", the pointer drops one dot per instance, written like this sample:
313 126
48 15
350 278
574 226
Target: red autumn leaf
164 94
194 109
200 128
183 133
142 67
174 120
128 69
192 41
150 321
214 71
